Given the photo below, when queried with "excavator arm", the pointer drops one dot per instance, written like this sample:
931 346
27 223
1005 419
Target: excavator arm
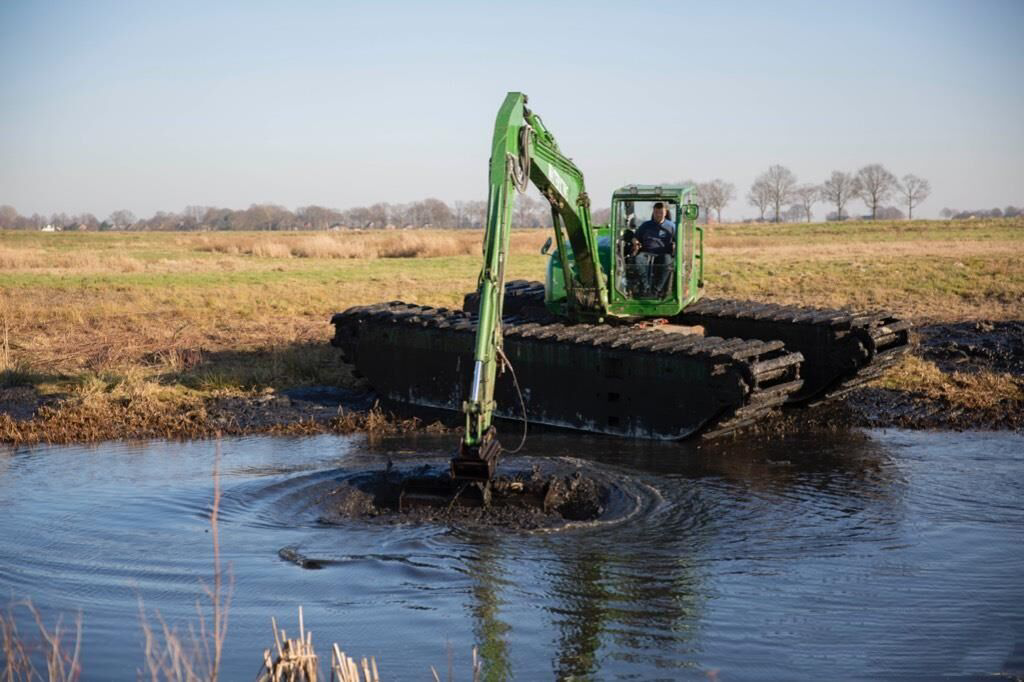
523 151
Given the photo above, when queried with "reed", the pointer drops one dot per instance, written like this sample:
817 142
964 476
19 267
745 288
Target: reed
19 652
196 655
295 659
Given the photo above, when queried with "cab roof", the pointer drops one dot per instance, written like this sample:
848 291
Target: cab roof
644 192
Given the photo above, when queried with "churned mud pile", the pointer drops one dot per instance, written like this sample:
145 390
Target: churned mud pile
524 500
967 375
974 346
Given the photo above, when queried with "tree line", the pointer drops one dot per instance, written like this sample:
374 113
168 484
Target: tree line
528 212
777 188
263 217
776 193
957 214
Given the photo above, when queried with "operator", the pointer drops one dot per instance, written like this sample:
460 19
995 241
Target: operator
656 240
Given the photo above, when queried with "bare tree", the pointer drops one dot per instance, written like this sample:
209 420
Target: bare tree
8 217
525 207
195 213
429 213
838 189
264 217
121 219
947 213
380 214
805 197
476 213
760 195
60 220
914 191
314 217
779 182
793 214
716 195
876 186
360 217
88 220
459 209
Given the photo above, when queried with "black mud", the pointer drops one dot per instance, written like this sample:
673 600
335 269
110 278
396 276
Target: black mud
20 402
882 407
522 500
965 347
974 346
311 404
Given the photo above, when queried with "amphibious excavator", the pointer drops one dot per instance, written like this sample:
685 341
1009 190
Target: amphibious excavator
614 341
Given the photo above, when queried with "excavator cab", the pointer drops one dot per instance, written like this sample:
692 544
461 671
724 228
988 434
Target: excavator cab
640 283
646 270
657 273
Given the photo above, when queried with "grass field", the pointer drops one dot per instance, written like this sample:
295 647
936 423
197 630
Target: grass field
149 320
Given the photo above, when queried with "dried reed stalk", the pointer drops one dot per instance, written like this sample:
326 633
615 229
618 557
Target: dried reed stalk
344 669
478 665
296 661
5 351
198 657
61 666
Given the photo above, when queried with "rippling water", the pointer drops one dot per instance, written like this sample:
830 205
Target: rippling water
861 555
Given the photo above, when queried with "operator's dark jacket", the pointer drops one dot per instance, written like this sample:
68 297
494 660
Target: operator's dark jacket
657 238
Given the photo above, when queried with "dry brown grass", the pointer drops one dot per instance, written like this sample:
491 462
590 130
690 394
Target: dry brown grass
983 390
356 244
39 259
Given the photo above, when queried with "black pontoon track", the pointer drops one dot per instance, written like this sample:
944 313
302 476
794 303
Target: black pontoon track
841 348
623 380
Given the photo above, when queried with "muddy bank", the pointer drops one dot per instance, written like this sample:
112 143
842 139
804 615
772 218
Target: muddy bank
962 352
959 351
310 405
882 407
975 346
27 418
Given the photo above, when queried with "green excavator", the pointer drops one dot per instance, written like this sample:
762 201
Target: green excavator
617 340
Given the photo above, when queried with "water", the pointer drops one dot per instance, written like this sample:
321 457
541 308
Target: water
863 555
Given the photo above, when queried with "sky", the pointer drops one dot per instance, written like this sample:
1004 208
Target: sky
151 106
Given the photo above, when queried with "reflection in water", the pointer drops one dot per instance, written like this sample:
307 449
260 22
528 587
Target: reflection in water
851 555
638 593
490 630
580 614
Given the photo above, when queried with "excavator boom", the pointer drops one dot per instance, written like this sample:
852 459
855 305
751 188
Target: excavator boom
523 150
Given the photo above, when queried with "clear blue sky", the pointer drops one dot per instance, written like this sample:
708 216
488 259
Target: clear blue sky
153 106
